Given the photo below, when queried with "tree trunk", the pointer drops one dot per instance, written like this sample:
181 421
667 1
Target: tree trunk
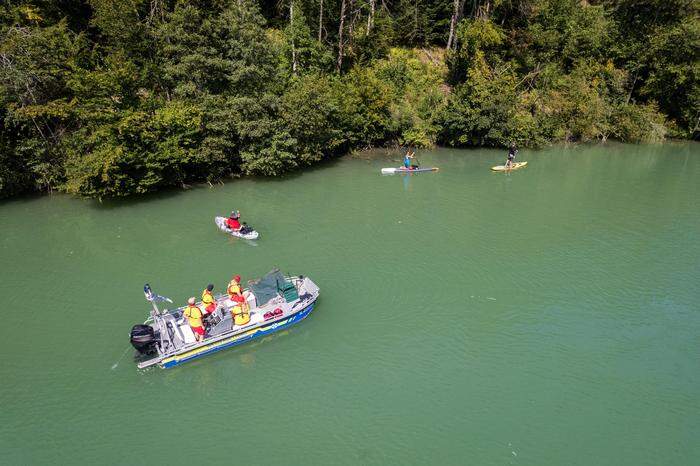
294 50
453 25
157 11
353 17
339 63
320 21
456 17
370 17
484 10
415 20
634 82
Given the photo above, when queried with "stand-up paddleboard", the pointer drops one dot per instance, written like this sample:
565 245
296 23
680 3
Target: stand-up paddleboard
249 234
503 168
391 171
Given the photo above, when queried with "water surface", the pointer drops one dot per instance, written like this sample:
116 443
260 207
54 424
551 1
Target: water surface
545 317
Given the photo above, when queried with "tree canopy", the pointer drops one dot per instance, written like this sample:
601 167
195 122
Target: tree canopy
108 98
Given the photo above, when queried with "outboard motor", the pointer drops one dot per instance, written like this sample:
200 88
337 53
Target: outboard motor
143 338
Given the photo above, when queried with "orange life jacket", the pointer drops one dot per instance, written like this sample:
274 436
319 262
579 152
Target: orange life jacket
233 288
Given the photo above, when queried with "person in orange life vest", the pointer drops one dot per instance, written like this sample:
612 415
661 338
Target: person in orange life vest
234 288
208 300
233 222
194 318
241 311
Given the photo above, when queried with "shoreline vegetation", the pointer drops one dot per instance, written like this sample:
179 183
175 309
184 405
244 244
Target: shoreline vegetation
111 98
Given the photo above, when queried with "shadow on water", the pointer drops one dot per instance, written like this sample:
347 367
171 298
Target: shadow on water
106 203
163 193
25 198
136 199
174 191
298 173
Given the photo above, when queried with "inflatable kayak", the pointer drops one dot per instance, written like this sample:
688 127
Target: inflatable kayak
391 171
502 168
246 233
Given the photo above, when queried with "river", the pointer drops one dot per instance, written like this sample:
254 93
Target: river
548 316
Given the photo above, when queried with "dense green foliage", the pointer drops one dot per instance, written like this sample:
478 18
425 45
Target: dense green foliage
109 98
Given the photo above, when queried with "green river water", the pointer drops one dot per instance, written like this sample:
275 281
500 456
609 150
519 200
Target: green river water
546 317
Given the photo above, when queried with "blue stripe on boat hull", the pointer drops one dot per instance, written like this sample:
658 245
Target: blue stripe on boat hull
261 331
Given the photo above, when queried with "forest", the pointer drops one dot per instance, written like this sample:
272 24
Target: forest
109 98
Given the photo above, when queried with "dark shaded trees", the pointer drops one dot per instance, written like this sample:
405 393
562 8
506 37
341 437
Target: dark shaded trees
116 97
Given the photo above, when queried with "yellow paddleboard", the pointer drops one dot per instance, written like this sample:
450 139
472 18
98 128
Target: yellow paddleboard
502 168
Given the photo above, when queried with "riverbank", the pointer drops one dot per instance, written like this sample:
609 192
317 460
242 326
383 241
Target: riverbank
393 154
104 104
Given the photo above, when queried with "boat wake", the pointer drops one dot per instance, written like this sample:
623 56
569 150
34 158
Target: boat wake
116 364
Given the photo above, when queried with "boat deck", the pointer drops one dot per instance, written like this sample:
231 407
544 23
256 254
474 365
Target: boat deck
176 337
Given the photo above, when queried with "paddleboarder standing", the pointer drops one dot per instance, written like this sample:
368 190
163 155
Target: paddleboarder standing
512 152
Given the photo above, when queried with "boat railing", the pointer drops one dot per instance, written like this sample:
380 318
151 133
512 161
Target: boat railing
237 331
167 323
